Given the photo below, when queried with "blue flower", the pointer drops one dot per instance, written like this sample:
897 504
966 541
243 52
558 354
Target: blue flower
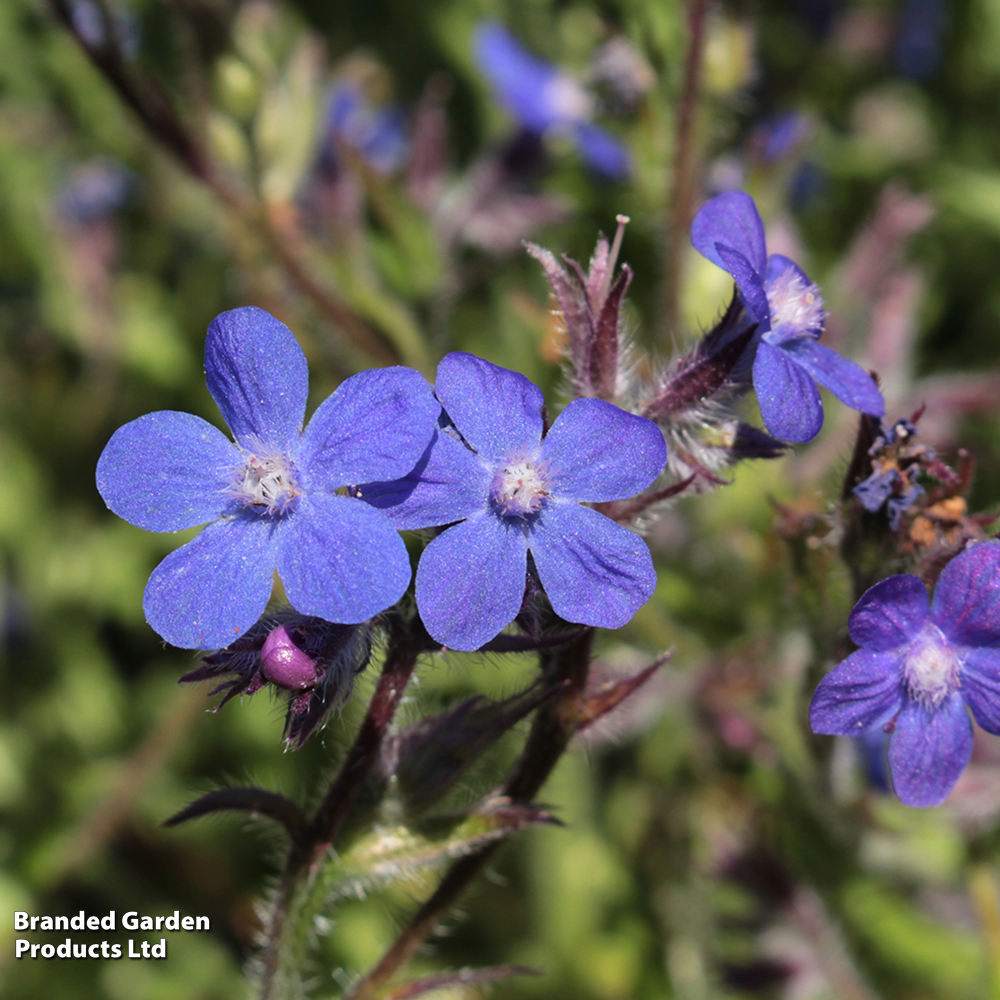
271 499
377 134
93 191
515 491
789 359
543 98
920 664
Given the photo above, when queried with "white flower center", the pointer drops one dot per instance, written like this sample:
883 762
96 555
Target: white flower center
795 304
519 488
931 667
266 482
566 100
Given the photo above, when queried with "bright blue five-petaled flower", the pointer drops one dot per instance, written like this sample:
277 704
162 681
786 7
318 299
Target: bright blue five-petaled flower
515 490
920 664
788 309
274 498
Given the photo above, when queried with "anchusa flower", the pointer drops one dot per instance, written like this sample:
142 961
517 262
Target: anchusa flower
312 661
377 134
920 666
788 359
543 98
274 498
514 490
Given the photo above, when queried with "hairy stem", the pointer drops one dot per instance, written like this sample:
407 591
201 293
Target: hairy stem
306 857
685 174
553 728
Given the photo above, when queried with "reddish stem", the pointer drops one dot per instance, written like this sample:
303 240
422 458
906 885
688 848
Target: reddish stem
553 728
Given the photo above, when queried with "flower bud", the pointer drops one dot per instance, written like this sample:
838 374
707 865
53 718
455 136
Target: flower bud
284 664
313 660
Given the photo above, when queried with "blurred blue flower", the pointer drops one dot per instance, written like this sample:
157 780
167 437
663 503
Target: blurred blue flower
271 498
922 25
920 664
377 134
543 98
780 136
515 491
90 20
93 191
789 360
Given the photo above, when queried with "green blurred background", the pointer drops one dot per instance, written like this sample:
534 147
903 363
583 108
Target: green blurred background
713 848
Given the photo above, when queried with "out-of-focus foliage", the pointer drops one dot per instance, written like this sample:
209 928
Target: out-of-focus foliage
713 848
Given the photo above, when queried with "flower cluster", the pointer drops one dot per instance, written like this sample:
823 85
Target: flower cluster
920 665
896 463
284 498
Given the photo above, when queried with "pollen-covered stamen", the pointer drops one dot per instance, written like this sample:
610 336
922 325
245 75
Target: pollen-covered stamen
931 667
796 305
266 482
519 488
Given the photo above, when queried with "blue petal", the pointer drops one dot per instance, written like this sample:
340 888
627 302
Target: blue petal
731 219
873 746
207 593
861 693
789 402
848 381
597 451
470 581
602 151
891 613
929 750
749 282
167 471
375 426
341 560
980 677
778 264
449 483
499 412
966 604
876 489
522 81
258 376
595 571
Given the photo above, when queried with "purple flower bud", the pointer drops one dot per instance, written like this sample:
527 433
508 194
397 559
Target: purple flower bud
284 664
590 304
313 660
